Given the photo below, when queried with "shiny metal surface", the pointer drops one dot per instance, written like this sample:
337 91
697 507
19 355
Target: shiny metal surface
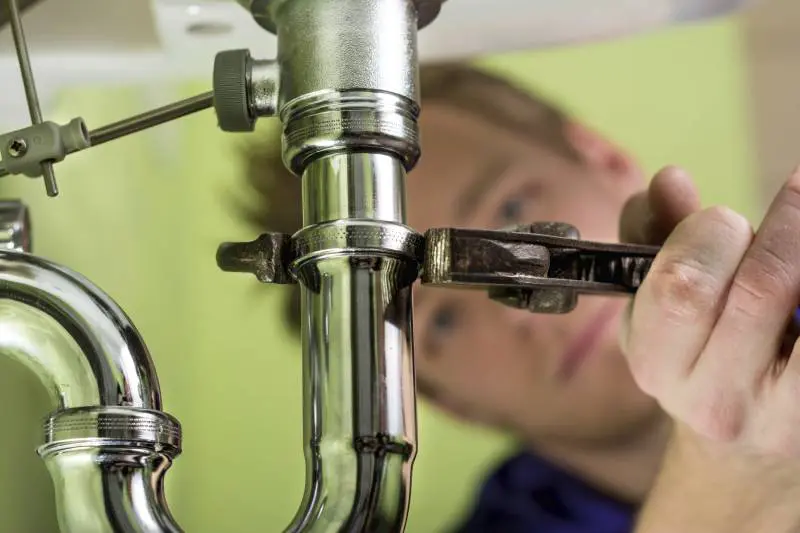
15 226
366 186
348 101
360 418
358 238
351 121
118 424
348 78
264 11
264 86
107 443
111 489
342 45
80 344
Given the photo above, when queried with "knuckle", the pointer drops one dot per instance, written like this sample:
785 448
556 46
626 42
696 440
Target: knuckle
685 280
683 289
729 221
764 277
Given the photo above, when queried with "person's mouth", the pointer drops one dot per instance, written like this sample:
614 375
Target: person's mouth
584 344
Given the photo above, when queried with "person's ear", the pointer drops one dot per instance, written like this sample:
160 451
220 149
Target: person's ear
597 151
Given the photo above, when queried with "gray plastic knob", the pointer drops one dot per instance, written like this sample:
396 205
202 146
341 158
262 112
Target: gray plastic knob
231 100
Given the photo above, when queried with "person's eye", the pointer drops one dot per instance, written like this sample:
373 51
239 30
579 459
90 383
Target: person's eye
444 321
442 325
516 208
511 211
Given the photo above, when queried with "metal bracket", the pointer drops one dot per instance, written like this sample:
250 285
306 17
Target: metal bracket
267 257
24 151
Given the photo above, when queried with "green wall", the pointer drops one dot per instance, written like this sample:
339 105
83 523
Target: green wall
142 218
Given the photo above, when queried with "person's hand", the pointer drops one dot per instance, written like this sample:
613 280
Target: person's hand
706 336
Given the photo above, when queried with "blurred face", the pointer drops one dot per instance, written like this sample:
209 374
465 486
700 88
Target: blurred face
547 378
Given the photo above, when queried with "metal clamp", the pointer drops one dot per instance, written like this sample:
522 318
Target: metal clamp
23 151
278 257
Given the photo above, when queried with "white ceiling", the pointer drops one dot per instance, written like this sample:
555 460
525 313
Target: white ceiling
158 41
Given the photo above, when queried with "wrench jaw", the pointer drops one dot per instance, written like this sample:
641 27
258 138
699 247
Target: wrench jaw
478 258
541 267
545 301
553 300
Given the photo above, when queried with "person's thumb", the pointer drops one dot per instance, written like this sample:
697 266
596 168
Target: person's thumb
649 217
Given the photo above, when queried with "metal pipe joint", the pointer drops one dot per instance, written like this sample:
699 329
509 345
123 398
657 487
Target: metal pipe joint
345 79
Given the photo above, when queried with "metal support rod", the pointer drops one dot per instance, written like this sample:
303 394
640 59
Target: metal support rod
147 120
30 88
151 119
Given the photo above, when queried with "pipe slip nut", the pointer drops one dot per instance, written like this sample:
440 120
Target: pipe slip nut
113 426
356 238
331 122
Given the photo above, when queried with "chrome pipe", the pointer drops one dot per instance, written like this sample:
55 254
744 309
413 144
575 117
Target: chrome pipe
356 267
73 337
107 443
348 99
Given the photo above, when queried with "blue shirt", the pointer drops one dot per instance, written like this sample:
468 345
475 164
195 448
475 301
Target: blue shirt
529 495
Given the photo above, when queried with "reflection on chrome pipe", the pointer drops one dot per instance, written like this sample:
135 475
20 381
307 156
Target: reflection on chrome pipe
77 341
107 444
15 226
356 265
